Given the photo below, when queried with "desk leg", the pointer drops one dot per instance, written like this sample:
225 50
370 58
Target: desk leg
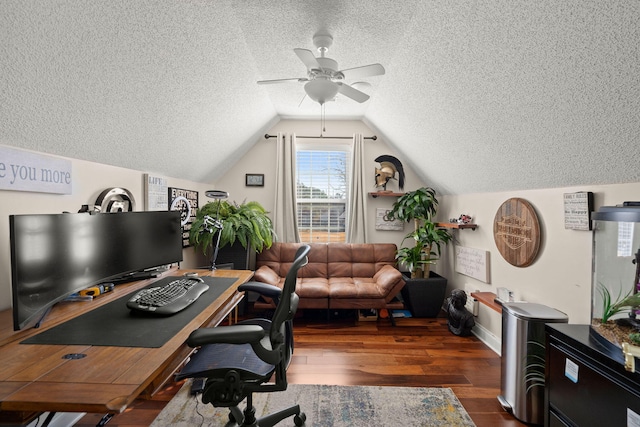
233 316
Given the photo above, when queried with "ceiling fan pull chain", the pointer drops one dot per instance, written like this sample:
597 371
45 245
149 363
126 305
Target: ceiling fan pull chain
323 121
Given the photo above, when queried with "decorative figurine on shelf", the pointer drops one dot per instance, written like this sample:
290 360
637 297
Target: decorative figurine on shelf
389 166
462 219
459 320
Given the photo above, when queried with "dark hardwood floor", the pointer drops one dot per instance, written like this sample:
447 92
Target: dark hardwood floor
414 353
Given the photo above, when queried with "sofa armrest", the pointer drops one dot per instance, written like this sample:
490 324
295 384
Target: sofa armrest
388 278
266 275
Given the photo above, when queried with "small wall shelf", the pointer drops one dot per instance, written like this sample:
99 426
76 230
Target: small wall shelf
488 299
385 194
456 225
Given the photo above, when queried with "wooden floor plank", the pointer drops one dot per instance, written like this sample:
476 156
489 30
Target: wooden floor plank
415 353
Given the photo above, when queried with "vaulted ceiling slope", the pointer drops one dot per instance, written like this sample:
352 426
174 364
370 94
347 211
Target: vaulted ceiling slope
477 97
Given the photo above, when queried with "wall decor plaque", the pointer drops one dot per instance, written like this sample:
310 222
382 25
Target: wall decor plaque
382 223
155 191
577 210
473 263
516 231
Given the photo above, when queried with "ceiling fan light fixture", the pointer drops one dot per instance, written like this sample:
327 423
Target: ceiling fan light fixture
321 90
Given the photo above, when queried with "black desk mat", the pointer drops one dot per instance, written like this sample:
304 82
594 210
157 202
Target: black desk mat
115 325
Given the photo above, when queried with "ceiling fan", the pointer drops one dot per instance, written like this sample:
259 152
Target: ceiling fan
324 80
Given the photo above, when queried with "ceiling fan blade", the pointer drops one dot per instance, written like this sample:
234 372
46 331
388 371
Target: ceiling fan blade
308 58
364 71
352 93
294 80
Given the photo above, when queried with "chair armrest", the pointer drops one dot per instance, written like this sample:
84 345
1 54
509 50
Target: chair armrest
235 334
265 289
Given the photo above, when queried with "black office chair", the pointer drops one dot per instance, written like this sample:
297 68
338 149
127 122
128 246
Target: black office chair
239 360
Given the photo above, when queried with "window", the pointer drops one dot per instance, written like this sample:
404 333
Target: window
322 187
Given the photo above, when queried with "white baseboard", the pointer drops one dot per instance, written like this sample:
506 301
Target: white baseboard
492 341
60 419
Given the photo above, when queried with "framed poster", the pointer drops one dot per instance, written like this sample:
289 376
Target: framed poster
254 180
185 201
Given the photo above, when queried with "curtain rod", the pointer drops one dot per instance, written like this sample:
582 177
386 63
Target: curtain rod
267 136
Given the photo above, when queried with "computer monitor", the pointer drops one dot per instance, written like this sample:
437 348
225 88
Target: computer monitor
55 255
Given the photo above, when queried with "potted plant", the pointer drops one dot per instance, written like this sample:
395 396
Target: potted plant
430 239
420 207
424 291
412 259
245 227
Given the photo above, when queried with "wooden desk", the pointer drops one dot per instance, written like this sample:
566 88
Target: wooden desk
37 378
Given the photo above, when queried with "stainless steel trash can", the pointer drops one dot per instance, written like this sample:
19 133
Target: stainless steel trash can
523 358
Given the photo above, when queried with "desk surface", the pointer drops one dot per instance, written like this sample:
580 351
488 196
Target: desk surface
39 378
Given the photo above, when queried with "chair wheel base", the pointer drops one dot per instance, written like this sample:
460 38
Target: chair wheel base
300 419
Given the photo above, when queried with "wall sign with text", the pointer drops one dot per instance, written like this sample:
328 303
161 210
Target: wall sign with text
27 171
473 263
577 210
185 201
382 223
155 191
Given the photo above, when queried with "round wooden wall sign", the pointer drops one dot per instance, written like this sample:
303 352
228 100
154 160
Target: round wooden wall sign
516 231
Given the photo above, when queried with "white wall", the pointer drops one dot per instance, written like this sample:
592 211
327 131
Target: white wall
560 277
262 159
89 180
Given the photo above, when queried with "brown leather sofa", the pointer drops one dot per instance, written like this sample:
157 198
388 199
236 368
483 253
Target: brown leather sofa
338 275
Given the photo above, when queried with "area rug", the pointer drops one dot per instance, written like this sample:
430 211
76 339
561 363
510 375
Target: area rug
329 406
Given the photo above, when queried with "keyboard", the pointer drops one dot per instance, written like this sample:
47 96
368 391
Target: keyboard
168 299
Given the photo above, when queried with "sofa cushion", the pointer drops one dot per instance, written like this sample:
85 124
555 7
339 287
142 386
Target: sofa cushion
378 286
353 287
272 258
312 287
306 287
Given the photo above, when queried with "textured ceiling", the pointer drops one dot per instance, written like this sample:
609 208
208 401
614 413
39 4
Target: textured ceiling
478 96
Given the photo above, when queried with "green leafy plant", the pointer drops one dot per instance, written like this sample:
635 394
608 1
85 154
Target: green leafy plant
431 238
612 307
634 337
419 206
411 257
246 223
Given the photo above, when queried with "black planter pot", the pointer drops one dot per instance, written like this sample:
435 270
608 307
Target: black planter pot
241 258
424 296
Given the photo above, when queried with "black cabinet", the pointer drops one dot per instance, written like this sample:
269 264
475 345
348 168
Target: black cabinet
586 383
